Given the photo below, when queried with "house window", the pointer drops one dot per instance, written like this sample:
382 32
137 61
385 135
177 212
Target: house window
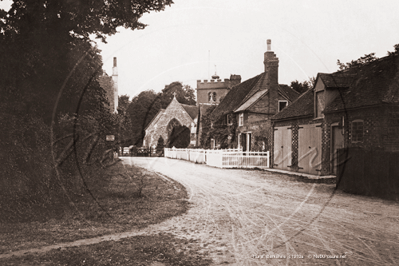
241 119
282 104
228 120
357 131
319 103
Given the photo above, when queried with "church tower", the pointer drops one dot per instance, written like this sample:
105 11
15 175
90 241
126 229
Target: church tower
115 85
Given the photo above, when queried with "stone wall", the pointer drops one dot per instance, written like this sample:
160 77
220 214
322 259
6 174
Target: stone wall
159 127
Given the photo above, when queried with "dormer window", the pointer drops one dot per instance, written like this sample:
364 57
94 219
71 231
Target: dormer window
319 104
282 104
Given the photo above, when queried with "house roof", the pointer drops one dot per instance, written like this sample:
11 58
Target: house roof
288 92
337 80
374 83
302 106
243 96
368 85
192 110
251 101
234 97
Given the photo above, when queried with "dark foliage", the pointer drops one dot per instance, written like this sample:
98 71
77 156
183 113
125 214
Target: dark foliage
301 87
53 105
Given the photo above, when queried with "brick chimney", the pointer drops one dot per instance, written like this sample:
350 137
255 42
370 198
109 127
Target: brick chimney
235 80
271 77
115 85
271 65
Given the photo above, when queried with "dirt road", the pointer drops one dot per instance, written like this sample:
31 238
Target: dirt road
245 217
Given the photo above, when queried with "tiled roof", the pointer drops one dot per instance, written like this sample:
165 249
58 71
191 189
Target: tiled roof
302 106
368 85
375 83
288 92
234 97
192 110
337 80
251 101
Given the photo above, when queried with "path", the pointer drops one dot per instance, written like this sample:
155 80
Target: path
240 215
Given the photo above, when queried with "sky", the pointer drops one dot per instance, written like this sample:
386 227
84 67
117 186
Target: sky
193 39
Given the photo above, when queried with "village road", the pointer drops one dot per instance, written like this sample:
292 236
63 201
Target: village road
242 217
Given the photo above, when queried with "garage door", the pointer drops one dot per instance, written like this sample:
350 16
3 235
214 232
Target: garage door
282 148
309 148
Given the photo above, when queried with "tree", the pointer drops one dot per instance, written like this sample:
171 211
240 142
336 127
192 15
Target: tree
141 111
184 94
367 58
123 103
47 55
160 144
396 51
301 87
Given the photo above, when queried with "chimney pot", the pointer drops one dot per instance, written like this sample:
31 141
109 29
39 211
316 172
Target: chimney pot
269 44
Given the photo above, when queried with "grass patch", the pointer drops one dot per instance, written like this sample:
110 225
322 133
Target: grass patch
122 207
139 251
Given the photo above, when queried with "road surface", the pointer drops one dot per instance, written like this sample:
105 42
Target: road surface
253 217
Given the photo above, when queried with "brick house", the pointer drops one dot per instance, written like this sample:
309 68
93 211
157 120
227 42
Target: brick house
357 107
250 105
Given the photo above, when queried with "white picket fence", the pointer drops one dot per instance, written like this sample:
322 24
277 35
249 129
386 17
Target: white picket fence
229 158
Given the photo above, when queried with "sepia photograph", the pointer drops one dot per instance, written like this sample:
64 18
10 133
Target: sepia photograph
199 133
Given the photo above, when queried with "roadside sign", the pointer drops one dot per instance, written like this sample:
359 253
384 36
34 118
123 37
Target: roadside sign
109 137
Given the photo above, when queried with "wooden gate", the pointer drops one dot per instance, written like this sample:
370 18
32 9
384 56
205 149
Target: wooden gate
282 155
309 148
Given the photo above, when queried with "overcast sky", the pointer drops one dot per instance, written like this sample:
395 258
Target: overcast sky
186 41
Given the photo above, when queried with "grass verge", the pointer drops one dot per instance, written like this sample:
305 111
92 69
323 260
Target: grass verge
138 251
133 199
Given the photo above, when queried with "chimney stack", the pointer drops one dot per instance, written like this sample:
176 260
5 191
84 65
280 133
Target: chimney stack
115 85
271 65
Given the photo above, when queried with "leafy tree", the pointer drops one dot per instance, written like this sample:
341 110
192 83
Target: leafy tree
358 62
123 103
396 51
184 94
45 50
141 111
301 87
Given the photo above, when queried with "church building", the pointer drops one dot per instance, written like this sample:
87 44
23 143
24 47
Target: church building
179 124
